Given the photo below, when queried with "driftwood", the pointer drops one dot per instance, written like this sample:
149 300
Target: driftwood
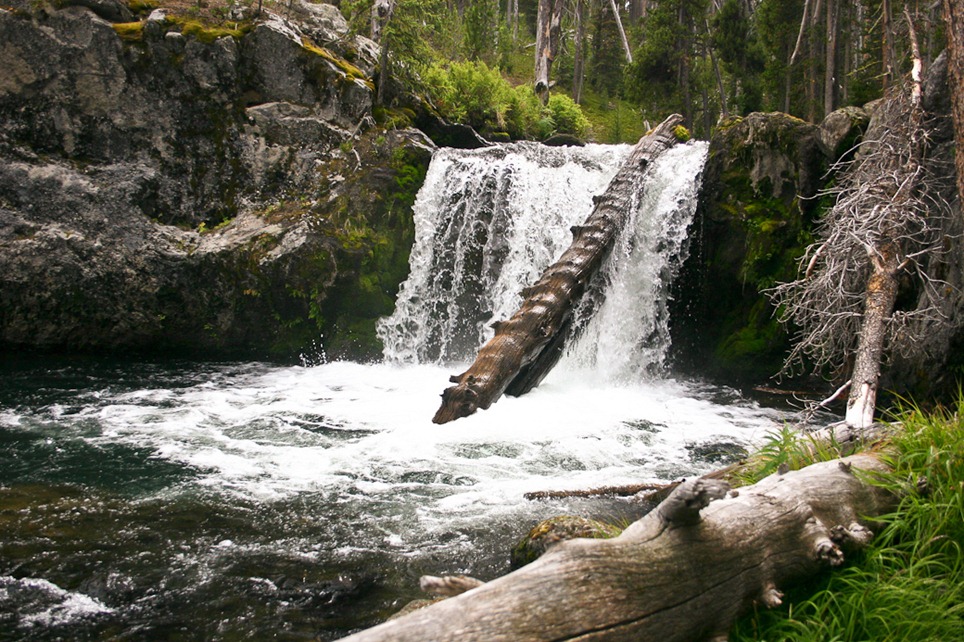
529 344
683 572
654 492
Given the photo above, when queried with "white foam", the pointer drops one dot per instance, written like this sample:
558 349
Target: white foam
43 603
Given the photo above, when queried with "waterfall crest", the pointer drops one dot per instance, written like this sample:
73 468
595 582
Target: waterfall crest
489 221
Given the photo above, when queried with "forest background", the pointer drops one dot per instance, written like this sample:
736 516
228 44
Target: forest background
627 64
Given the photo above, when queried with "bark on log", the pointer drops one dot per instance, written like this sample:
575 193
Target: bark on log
528 345
677 574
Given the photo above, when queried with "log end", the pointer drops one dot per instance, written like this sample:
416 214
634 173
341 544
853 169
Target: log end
457 401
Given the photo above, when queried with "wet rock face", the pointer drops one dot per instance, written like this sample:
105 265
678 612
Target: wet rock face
158 180
755 216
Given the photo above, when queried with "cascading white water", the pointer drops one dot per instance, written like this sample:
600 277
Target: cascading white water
488 222
627 335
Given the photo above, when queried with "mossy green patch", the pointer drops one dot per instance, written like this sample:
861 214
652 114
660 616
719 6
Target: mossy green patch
349 70
209 33
129 31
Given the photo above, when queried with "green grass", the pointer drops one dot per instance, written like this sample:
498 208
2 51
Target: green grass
909 583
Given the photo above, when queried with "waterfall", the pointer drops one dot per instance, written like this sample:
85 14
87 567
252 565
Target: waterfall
489 221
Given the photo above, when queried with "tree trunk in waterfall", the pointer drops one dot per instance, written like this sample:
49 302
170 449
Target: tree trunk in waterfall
579 53
528 345
622 32
548 27
954 17
684 572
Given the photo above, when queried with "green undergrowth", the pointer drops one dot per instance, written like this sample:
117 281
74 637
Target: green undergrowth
909 583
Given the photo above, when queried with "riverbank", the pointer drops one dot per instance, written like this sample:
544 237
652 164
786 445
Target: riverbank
909 583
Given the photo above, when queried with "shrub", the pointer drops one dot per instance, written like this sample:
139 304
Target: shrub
474 94
567 115
470 93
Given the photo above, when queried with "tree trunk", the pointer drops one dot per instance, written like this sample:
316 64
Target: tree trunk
954 16
548 26
526 346
888 54
381 15
579 55
830 58
684 572
622 32
882 283
878 306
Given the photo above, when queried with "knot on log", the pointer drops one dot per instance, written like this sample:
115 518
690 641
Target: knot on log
770 597
827 551
683 506
449 585
855 536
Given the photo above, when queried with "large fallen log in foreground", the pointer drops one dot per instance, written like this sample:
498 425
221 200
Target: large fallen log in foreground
529 344
683 572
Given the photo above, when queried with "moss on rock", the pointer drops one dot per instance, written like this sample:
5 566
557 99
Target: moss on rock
550 532
755 218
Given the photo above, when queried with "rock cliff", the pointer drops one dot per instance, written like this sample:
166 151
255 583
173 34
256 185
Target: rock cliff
166 186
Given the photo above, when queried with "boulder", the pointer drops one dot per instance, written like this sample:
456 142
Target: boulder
754 220
169 187
550 532
841 130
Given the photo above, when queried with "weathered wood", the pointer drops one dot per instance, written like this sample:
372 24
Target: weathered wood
526 346
684 579
548 29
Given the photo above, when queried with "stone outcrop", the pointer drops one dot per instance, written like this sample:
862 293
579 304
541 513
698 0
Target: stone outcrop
169 186
753 222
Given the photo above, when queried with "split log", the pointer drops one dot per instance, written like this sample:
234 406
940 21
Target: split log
686 571
529 344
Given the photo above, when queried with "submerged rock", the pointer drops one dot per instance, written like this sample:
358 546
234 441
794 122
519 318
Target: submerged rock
550 532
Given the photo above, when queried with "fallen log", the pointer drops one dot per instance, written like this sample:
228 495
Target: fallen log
684 572
529 344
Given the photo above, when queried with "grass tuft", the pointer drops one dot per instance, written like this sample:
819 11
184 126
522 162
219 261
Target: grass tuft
909 583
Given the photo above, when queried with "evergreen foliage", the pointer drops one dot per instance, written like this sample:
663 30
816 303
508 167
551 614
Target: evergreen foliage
703 59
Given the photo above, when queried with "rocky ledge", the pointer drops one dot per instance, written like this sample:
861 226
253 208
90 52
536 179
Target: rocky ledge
170 187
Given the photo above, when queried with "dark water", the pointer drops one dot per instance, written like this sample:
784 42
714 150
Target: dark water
192 501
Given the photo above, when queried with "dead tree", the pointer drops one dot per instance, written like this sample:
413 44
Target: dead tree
881 228
954 17
548 31
529 344
684 572
622 32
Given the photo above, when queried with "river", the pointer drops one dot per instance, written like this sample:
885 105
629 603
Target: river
191 500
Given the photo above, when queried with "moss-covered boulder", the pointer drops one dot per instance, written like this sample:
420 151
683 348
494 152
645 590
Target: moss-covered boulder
757 208
550 532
